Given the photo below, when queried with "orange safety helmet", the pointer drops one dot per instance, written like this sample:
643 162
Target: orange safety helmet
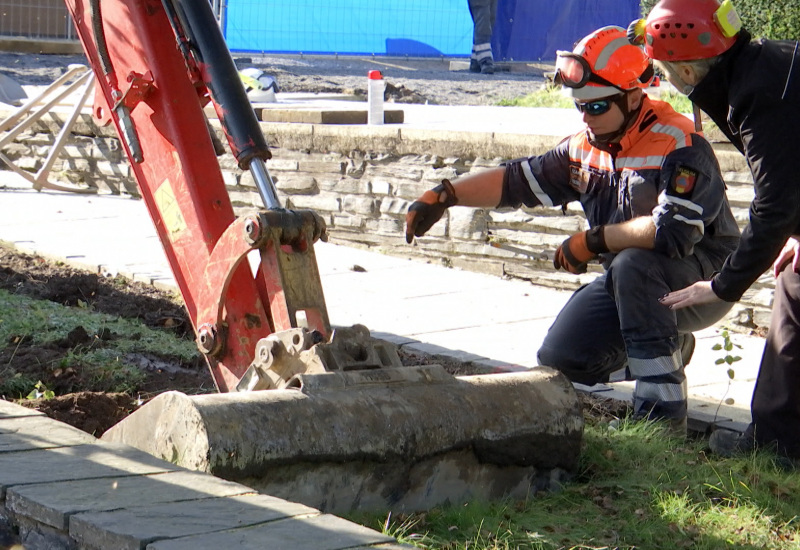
687 30
603 64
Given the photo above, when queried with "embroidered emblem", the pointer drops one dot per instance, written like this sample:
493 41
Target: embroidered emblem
683 181
579 179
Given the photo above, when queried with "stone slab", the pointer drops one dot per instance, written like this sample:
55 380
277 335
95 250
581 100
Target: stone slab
71 463
12 410
135 527
38 432
324 116
54 503
324 532
702 422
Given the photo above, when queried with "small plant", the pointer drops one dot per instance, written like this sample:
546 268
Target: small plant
40 391
727 346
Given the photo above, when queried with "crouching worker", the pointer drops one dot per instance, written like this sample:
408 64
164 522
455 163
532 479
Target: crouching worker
659 220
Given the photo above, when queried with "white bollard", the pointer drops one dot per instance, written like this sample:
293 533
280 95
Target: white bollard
375 98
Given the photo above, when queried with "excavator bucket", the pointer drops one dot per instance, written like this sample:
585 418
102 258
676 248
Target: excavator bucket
326 417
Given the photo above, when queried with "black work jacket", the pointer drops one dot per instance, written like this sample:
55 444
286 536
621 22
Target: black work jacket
753 95
661 168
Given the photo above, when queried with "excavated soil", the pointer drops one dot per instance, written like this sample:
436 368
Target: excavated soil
80 401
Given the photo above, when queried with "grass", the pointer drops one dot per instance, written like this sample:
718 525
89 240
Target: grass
101 362
551 96
638 488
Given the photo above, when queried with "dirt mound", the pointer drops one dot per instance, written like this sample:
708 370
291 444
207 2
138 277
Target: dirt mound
92 412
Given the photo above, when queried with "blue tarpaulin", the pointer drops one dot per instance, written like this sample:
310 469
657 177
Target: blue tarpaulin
526 30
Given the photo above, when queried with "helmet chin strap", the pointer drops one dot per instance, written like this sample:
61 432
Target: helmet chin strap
628 117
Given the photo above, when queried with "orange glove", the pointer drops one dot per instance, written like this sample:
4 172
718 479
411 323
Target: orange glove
428 209
578 250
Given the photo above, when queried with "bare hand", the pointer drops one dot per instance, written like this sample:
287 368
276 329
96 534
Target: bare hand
789 253
694 295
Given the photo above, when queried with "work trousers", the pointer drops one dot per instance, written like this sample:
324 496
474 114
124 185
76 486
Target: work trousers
484 13
776 398
616 321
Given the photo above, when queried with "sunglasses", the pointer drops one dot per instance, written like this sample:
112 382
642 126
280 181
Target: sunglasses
594 108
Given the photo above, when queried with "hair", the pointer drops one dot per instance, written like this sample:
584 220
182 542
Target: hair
701 67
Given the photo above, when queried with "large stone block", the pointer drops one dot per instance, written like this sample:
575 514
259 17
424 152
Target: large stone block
360 205
467 223
380 187
323 202
394 206
387 226
294 183
343 185
350 222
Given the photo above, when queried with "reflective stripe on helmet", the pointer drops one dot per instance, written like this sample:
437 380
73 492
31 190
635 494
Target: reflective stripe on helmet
601 62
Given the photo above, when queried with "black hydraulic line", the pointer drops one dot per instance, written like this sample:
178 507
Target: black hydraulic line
99 36
222 79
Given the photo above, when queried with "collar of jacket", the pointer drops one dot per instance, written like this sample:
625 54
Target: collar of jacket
645 119
713 89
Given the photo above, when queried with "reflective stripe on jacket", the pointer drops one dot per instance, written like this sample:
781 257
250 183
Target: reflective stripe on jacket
661 168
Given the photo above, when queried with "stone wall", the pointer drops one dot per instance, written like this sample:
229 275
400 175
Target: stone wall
362 179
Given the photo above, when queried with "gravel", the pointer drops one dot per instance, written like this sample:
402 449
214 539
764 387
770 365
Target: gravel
408 80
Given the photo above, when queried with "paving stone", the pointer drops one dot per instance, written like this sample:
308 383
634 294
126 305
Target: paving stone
324 532
133 528
38 432
80 462
53 503
12 410
703 422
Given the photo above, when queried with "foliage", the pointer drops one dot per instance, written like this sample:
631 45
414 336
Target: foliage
40 391
727 346
549 96
776 19
638 487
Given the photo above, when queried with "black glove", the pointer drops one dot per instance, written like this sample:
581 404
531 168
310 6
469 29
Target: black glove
428 209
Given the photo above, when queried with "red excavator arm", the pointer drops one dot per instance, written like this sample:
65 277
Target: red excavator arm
157 64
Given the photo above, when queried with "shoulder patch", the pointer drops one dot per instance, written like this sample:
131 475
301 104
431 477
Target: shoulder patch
683 180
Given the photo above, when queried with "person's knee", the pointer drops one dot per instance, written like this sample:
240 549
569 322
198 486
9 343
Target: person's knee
631 271
578 369
631 261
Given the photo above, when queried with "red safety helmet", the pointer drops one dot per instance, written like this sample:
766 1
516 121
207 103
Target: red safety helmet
686 30
603 64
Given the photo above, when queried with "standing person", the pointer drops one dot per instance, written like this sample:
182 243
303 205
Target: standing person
484 14
658 215
751 90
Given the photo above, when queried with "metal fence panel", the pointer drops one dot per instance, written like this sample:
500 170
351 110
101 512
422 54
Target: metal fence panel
45 19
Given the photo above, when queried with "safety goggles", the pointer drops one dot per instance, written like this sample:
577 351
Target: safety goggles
573 71
595 108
